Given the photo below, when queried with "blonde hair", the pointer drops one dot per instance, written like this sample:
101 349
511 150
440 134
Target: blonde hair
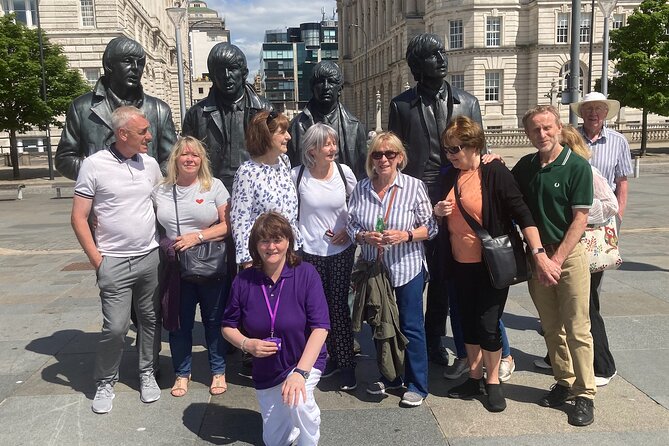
573 138
390 140
203 175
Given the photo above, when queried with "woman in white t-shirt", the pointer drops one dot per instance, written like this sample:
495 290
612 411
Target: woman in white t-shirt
323 187
202 206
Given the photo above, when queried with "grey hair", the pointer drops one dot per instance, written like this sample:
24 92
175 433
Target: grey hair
315 138
122 115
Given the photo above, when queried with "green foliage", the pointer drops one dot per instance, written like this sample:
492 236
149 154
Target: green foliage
21 103
641 52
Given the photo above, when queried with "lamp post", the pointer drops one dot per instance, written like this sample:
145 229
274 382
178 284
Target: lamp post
177 14
574 68
355 25
607 8
44 95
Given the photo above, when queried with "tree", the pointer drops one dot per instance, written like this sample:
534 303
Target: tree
21 101
641 52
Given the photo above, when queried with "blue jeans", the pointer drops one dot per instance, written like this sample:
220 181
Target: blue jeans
212 297
456 326
410 305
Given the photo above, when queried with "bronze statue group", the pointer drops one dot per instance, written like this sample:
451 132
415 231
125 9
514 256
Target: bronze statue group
290 203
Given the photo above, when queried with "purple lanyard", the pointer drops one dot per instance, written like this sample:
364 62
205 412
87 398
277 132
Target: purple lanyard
272 314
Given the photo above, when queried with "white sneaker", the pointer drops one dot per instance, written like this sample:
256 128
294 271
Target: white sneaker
102 403
506 367
459 367
148 388
601 381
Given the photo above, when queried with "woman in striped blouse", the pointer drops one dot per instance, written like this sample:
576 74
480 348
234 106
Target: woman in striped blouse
390 216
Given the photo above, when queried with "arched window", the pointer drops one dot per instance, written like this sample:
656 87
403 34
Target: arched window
564 79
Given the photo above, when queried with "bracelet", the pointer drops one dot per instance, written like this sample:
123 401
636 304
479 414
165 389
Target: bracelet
410 236
242 346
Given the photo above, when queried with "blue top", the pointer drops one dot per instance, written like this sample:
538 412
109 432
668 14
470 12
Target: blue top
302 308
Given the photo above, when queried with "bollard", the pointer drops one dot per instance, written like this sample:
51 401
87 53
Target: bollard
637 165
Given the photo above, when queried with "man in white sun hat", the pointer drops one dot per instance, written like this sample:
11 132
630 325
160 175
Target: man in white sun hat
611 156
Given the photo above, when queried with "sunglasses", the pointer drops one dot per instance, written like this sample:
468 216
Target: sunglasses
272 116
389 154
452 150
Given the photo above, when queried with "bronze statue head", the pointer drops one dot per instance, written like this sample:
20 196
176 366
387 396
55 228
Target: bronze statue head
228 70
123 62
326 83
426 57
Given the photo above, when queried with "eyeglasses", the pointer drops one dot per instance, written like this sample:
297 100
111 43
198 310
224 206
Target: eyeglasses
389 154
272 116
454 150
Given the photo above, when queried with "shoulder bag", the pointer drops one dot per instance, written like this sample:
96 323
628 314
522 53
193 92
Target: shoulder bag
601 244
204 262
504 256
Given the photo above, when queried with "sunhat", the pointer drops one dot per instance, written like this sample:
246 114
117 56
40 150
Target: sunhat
595 96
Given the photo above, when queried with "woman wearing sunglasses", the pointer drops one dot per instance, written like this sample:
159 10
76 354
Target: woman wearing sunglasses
263 183
490 195
389 217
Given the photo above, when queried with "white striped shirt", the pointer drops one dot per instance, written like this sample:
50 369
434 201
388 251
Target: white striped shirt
410 209
610 155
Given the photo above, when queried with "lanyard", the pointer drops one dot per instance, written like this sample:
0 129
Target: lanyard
272 314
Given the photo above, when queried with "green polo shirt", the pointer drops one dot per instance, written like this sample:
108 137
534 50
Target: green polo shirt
553 191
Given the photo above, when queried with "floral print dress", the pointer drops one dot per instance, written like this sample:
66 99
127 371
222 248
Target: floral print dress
260 188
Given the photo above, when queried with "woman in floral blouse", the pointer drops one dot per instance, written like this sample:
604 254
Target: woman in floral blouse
263 183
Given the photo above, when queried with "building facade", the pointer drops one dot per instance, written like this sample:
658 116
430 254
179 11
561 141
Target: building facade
84 27
510 54
287 60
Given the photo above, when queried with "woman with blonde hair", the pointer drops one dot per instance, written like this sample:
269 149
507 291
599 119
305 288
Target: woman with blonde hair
192 207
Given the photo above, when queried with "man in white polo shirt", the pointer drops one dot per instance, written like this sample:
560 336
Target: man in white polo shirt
116 185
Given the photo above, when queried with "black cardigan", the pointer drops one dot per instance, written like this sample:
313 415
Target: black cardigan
502 202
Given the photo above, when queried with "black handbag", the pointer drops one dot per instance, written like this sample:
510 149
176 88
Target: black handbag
504 255
204 262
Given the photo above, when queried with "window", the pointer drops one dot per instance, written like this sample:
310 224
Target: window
91 75
87 13
25 10
493 82
455 34
618 21
493 31
584 34
564 78
562 31
458 80
329 36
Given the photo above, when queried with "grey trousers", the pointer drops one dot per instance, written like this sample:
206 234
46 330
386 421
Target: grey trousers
126 282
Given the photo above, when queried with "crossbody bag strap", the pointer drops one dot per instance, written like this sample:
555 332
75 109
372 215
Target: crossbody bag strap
176 209
385 218
481 233
297 189
343 179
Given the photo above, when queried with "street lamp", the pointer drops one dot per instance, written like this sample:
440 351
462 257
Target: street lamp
355 25
607 8
177 14
49 153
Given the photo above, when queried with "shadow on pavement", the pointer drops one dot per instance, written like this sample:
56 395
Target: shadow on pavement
636 266
223 425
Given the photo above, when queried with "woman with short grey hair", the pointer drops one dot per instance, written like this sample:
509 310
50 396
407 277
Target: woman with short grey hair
323 186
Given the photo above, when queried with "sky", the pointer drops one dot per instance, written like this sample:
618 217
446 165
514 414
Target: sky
248 20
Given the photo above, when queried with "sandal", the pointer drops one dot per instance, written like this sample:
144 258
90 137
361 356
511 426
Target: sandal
218 385
180 386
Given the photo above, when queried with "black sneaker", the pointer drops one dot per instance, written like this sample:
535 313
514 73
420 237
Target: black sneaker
496 401
470 388
438 355
348 381
555 397
583 413
331 368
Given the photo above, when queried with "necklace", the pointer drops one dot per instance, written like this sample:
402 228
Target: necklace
465 177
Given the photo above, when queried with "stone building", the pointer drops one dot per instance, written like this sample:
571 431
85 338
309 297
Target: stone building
84 27
510 54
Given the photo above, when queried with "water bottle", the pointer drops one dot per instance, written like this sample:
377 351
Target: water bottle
380 225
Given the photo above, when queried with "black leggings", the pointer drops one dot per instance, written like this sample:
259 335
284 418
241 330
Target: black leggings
481 306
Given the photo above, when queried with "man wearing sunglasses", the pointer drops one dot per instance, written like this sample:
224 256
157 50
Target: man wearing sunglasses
220 119
418 117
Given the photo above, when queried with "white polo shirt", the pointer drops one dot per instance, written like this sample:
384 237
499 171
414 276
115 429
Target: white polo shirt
121 193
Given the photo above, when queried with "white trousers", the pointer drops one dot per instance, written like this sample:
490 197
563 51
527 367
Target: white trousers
283 424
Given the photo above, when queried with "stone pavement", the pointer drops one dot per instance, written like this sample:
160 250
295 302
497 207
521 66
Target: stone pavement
50 317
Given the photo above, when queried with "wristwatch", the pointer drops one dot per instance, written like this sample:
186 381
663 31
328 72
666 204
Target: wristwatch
304 373
200 237
536 251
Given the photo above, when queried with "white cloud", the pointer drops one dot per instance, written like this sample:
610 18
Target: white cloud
248 20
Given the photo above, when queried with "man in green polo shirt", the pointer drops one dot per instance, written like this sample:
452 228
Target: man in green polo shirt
557 185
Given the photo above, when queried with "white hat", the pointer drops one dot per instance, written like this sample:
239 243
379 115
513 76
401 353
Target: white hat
595 96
